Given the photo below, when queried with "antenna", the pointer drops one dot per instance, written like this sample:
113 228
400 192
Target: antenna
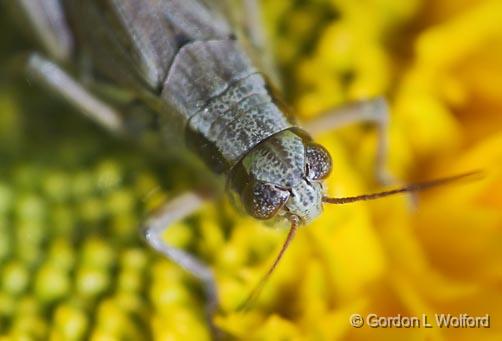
406 189
257 290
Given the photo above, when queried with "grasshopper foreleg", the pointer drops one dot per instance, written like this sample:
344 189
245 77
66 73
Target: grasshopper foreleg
373 111
59 81
177 209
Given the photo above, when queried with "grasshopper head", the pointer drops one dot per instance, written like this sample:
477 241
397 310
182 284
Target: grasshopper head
283 178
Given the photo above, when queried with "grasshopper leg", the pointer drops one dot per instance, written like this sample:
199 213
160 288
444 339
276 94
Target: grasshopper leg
54 77
47 21
373 111
177 209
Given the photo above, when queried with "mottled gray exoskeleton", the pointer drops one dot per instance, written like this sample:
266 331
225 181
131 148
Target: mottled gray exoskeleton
191 71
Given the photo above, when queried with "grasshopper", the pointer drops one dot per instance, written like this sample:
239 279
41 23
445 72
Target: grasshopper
199 73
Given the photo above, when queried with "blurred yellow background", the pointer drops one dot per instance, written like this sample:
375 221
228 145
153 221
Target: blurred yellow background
72 264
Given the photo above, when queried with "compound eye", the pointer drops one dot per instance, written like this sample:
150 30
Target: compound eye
318 161
263 200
